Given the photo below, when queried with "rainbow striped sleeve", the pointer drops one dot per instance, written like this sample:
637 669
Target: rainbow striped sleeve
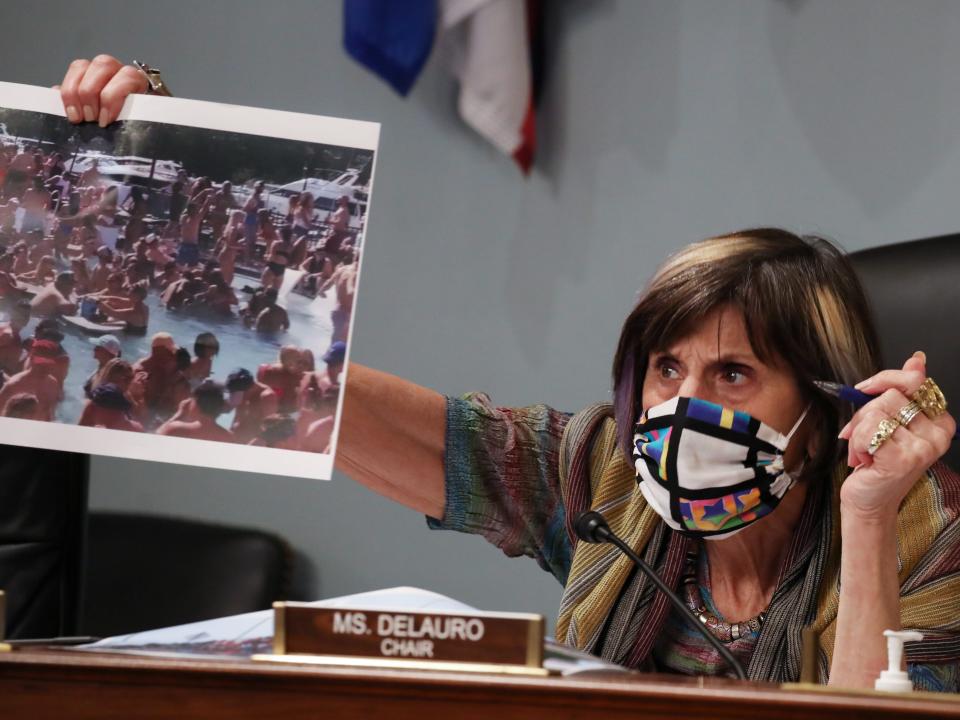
502 479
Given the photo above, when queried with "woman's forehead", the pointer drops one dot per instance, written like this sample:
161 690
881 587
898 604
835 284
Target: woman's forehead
720 333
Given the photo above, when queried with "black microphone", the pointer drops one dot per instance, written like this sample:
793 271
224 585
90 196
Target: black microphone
592 527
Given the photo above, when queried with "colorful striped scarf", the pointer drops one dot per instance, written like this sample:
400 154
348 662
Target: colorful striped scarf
610 611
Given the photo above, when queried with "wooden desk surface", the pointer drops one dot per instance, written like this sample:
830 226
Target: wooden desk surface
63 684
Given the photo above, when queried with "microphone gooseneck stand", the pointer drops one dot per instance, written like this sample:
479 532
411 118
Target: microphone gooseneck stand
592 527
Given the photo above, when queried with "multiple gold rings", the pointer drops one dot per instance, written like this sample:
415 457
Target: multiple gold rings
928 399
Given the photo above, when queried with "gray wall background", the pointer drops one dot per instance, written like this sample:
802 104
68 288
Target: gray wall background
662 123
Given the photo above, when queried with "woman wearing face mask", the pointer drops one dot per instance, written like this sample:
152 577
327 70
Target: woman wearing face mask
719 461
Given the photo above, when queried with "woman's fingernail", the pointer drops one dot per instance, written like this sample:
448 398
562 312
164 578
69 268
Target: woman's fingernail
104 117
88 113
863 383
842 431
72 114
921 356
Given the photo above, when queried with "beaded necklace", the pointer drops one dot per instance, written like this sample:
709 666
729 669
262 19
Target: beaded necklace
724 631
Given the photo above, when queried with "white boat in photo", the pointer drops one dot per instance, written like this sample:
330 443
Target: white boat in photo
326 193
128 171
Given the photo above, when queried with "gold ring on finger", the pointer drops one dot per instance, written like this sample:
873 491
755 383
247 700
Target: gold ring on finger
908 412
884 430
930 399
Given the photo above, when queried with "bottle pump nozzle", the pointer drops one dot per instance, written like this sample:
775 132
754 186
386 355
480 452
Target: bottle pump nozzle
893 679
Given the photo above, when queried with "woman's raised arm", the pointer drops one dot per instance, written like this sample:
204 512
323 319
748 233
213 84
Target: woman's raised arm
391 438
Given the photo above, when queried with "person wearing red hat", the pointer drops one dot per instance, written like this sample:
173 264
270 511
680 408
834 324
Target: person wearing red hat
49 330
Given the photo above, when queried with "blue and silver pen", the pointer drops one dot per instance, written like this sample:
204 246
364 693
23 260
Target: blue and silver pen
844 392
850 394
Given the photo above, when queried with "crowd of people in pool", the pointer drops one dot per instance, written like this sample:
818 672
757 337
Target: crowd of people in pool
55 264
288 404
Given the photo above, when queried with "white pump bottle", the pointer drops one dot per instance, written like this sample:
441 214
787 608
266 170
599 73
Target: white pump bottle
893 679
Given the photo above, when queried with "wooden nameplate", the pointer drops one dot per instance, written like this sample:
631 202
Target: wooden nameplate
509 643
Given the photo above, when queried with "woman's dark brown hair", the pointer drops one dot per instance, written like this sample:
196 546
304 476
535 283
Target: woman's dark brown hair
802 304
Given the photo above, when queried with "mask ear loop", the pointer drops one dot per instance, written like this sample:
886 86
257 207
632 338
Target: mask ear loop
778 462
800 419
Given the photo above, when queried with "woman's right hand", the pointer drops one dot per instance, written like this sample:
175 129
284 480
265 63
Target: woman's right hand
95 89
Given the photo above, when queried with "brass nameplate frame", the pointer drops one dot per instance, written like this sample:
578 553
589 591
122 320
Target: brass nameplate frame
441 640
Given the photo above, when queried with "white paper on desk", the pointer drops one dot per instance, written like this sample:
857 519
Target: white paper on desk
249 626
243 635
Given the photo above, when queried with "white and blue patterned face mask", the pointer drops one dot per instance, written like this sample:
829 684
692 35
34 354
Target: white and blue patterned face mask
709 471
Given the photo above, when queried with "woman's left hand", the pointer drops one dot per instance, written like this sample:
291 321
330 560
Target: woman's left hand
880 482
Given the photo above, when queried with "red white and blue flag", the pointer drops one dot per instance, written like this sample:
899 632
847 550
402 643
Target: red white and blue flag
490 44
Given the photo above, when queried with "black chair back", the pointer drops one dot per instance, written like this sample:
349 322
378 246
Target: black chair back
43 503
147 571
914 292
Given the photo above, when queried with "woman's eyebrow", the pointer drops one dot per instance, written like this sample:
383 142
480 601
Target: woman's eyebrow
736 359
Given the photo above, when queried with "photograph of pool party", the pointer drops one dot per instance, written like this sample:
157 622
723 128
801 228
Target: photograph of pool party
179 293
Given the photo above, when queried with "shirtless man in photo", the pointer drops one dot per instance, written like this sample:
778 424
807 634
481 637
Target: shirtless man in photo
344 282
252 402
45 271
272 318
181 292
277 431
85 239
10 289
219 296
319 382
116 282
55 299
223 203
155 252
251 209
49 330
133 310
316 419
23 406
11 344
190 221
210 404
284 377
339 222
37 380
167 277
231 243
101 271
158 374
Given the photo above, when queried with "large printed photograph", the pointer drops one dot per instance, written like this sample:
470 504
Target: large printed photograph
179 286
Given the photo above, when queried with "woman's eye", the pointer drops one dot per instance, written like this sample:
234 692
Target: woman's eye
735 376
667 371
